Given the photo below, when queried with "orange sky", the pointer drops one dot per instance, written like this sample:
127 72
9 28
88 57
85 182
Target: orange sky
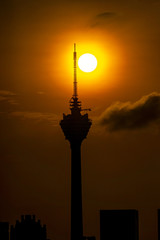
120 168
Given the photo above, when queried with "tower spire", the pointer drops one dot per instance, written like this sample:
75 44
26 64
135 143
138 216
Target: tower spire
75 95
75 104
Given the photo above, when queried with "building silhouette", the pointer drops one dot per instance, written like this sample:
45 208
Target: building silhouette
158 211
89 238
75 127
119 224
4 231
28 229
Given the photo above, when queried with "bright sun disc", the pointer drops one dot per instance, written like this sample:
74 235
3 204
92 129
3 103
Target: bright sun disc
87 62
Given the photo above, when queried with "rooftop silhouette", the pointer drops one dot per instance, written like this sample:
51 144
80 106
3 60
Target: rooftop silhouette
119 224
28 229
4 230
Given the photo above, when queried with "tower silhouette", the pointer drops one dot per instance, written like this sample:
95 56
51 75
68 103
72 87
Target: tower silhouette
75 127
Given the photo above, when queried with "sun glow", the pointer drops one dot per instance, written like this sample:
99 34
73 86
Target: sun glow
91 77
87 62
108 63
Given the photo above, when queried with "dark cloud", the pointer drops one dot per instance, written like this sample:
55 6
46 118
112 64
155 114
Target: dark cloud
121 116
106 15
103 18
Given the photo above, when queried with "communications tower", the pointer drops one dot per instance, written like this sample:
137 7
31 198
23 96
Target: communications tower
75 127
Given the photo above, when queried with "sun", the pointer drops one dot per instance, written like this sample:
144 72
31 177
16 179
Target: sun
87 62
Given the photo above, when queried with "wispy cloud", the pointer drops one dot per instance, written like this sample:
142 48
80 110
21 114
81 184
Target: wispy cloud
6 93
8 96
130 116
53 119
40 92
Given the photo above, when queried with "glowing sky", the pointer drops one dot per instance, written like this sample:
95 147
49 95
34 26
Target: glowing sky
120 158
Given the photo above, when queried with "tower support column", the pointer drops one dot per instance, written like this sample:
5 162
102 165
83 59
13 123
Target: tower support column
76 192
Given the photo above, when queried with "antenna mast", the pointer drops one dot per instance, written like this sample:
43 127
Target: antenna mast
75 72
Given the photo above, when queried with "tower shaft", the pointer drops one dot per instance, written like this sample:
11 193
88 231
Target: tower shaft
76 193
